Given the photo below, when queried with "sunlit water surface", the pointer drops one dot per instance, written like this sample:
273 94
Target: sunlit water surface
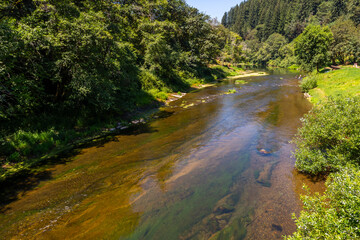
212 166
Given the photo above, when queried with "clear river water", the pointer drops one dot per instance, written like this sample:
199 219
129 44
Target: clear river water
211 166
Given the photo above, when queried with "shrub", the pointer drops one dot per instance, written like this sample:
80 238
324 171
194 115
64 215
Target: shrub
330 136
308 83
149 80
158 94
336 214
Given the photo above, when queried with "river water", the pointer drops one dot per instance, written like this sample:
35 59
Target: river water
212 166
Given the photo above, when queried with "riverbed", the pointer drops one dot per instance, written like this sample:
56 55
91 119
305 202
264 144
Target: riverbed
213 165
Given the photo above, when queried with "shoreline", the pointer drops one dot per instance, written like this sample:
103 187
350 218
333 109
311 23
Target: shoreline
248 74
136 118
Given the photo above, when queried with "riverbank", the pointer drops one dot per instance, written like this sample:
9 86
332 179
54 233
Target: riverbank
25 150
205 160
328 145
345 81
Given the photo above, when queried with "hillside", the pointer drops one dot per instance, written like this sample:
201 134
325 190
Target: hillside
269 28
289 18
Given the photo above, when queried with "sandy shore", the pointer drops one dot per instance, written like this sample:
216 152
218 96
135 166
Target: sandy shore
248 74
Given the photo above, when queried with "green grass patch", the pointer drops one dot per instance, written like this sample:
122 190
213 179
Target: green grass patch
345 81
231 91
240 82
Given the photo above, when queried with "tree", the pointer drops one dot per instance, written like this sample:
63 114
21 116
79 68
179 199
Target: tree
224 20
230 44
312 46
345 40
270 48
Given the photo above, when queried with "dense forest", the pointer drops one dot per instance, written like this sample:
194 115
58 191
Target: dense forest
68 65
269 28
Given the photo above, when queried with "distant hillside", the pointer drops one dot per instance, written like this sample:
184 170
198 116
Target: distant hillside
287 17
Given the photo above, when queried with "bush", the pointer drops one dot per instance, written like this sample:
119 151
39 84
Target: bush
308 83
158 94
149 80
336 214
330 136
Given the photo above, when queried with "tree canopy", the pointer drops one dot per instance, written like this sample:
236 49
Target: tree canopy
312 46
257 21
100 56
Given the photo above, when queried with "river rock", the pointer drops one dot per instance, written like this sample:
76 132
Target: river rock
263 178
264 151
307 95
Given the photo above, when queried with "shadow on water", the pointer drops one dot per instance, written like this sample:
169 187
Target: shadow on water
11 188
217 168
14 187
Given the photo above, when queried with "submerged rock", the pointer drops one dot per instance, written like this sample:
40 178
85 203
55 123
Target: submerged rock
264 151
263 177
224 209
275 227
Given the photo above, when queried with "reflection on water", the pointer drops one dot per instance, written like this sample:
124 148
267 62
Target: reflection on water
213 166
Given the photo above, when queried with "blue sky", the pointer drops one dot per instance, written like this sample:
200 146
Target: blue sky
214 8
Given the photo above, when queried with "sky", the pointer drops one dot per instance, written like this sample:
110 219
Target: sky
214 8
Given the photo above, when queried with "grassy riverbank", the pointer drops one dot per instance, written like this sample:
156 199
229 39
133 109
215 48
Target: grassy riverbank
328 144
41 139
345 81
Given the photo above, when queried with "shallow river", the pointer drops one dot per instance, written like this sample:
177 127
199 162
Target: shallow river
212 166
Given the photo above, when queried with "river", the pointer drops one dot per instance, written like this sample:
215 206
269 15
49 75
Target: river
211 166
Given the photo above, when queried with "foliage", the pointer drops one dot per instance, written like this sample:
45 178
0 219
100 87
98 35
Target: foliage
329 141
312 46
288 18
308 83
231 91
67 65
257 21
330 136
22 144
158 94
97 56
336 214
347 41
231 46
270 48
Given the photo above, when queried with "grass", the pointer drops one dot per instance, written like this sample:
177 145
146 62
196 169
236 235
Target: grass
345 81
238 82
